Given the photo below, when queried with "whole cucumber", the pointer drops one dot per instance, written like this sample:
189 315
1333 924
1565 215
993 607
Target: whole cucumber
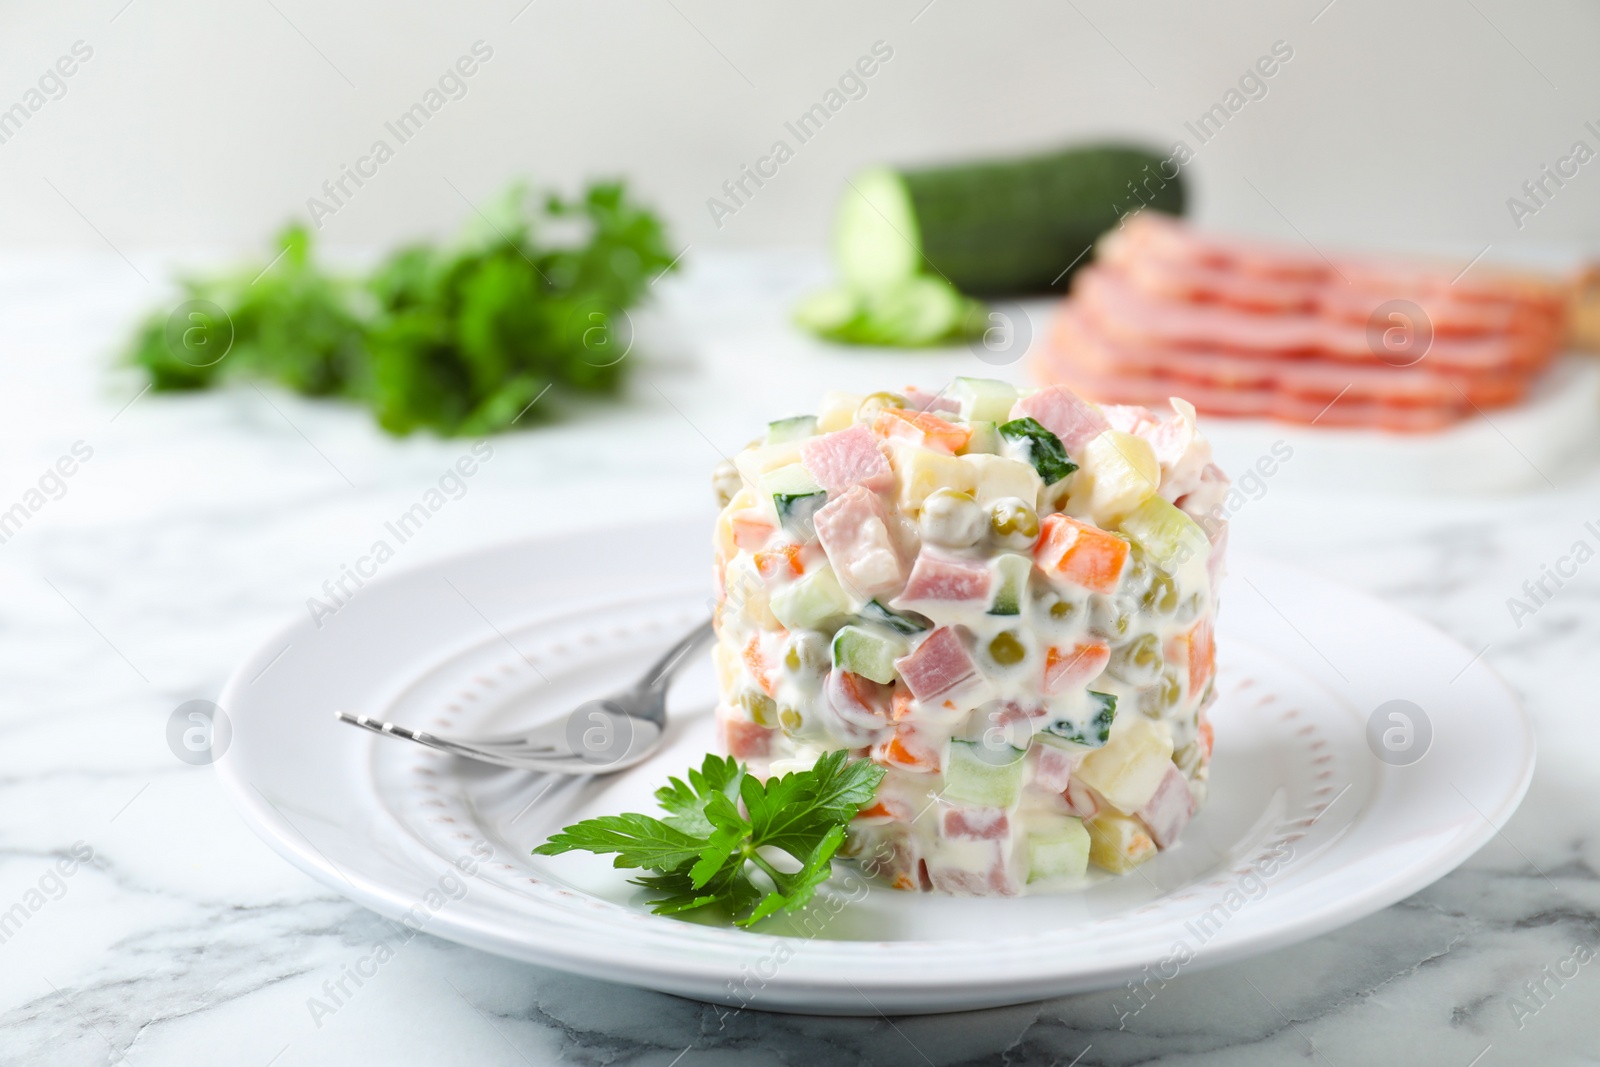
1006 226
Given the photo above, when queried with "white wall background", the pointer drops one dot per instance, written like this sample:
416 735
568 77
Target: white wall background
209 123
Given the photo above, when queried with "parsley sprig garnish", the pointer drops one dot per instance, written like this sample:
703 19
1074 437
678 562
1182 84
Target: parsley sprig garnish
769 857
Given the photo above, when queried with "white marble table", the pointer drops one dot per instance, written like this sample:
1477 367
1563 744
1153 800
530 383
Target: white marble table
199 523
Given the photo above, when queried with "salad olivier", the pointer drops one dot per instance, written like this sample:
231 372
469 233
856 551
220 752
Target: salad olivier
1003 599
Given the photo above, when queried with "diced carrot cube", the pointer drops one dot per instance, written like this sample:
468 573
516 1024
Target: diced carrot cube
1081 553
1068 668
900 702
908 751
1196 648
1208 736
784 559
757 665
922 428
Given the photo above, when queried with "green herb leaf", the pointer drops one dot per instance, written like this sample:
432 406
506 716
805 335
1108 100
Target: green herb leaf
708 853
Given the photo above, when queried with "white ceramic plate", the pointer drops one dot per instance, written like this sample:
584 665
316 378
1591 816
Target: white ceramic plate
1305 829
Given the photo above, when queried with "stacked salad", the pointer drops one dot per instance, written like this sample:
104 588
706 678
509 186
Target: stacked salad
1005 599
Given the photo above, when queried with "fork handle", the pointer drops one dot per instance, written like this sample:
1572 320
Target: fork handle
664 668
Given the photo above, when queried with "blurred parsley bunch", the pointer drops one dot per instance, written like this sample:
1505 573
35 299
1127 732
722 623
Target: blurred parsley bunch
458 340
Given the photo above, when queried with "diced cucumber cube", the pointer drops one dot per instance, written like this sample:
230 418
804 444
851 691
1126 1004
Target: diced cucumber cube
809 601
1011 585
984 775
869 653
900 622
984 399
1091 734
985 439
1058 847
796 497
1042 448
797 428
1168 536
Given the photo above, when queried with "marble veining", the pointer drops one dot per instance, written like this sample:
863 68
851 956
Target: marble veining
203 523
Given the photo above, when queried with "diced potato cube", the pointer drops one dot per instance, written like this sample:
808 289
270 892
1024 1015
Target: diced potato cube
1120 472
838 411
754 462
920 471
1129 767
1119 843
995 477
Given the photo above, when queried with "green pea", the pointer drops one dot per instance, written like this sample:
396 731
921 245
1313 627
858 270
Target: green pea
1162 595
791 720
1062 610
1012 516
868 409
1006 650
762 709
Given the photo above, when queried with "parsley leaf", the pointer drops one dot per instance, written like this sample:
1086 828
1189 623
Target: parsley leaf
767 857
459 340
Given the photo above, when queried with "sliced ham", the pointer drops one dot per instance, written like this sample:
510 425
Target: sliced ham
847 458
945 578
937 667
1063 413
1169 808
853 530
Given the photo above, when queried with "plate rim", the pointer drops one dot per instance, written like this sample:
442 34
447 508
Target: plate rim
613 962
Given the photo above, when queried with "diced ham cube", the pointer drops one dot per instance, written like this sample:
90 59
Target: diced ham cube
1129 418
976 824
995 880
1168 810
946 578
844 458
938 666
1066 669
1065 414
923 400
854 532
1085 805
1053 769
1081 553
889 852
747 740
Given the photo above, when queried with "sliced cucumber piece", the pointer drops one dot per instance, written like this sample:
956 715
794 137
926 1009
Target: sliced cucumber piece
1011 588
985 439
1091 734
810 601
900 622
985 775
1058 847
876 240
909 313
868 652
1168 536
796 497
984 399
1042 448
828 311
797 428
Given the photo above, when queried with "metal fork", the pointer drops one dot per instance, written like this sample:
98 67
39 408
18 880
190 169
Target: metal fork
596 737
